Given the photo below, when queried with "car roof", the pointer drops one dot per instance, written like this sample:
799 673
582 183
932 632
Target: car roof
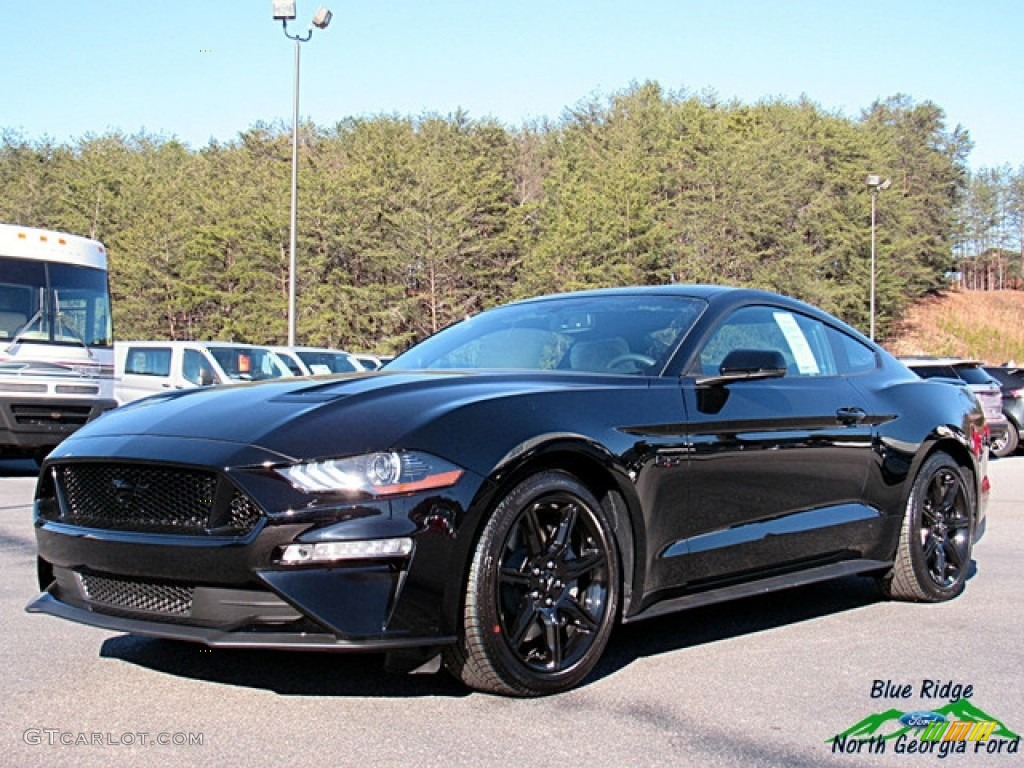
721 295
693 290
1006 373
333 350
183 343
925 360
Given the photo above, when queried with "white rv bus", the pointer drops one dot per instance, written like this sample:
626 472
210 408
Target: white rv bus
56 341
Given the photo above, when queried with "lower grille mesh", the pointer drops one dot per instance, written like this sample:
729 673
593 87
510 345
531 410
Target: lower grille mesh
175 600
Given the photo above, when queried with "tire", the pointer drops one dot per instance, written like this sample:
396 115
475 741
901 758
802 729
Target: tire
1008 445
933 557
542 592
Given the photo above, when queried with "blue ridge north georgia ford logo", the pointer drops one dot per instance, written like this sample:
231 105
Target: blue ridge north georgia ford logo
956 727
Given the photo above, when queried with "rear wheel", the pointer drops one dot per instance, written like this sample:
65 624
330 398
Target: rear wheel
934 553
1006 445
542 592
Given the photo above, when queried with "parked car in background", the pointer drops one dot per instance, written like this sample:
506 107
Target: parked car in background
1011 381
311 361
505 492
144 368
985 388
373 362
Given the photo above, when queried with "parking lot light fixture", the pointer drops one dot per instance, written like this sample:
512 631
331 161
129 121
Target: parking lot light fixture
284 10
875 185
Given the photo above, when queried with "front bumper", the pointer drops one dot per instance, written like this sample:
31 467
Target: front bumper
223 582
32 425
220 617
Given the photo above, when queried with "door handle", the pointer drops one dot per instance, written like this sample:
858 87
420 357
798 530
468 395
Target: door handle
851 415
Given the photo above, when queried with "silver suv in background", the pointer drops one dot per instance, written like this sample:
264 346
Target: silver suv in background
313 361
1011 378
978 380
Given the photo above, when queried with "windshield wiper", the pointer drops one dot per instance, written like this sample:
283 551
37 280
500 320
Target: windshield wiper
60 324
25 328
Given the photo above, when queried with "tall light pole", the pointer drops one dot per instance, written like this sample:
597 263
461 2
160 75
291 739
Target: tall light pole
285 11
875 185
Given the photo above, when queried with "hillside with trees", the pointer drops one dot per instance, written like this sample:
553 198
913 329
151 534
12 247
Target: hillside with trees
409 223
981 325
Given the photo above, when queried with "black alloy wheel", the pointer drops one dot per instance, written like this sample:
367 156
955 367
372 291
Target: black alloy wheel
542 593
933 558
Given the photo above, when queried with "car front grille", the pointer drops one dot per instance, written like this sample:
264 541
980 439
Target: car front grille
149 597
29 414
148 499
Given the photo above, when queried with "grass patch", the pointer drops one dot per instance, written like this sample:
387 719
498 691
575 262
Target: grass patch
982 325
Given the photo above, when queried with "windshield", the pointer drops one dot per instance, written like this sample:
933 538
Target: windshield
48 303
599 333
249 363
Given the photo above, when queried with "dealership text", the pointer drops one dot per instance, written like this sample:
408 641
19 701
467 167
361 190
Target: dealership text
61 737
929 689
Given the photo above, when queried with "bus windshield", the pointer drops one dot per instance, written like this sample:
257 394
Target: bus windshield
53 303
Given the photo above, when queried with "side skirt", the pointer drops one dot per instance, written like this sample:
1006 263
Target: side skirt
760 587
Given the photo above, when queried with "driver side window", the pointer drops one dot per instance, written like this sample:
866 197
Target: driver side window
802 341
196 369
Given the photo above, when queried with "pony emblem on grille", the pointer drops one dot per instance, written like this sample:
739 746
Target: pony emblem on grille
127 491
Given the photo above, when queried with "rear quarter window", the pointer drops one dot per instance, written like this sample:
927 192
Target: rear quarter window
851 355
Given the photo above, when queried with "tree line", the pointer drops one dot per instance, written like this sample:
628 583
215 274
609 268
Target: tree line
407 224
989 240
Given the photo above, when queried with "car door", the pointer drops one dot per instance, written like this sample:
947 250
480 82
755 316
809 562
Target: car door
776 466
146 370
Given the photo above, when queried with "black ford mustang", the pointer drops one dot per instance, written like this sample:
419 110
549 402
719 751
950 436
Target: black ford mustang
506 491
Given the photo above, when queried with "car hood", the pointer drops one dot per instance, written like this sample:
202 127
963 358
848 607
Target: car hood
302 419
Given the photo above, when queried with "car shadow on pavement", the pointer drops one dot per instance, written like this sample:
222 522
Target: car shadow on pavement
289 673
297 673
18 468
735 618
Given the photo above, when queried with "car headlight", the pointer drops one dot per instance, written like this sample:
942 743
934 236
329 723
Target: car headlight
385 473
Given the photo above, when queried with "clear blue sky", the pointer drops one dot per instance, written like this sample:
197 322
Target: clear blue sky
202 69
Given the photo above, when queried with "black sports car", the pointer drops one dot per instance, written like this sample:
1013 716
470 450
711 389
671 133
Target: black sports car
503 493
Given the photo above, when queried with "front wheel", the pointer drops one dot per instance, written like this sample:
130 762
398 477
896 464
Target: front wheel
542 592
933 557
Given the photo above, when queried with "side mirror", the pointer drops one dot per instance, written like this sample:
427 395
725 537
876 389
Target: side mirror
753 361
746 364
206 377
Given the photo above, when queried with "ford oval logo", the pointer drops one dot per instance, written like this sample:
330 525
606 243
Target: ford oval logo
921 718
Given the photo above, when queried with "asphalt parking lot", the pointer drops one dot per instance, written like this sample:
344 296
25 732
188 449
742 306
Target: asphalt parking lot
766 681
